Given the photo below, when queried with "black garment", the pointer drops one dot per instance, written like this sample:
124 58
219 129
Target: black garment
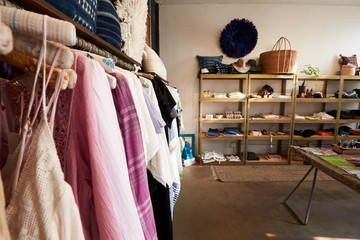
166 102
304 133
251 156
160 200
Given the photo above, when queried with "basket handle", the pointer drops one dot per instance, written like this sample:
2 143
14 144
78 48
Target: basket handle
277 47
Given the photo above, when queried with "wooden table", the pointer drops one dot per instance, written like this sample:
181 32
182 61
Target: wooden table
319 164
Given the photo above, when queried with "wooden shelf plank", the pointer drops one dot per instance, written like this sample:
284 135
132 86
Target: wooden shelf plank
349 137
315 121
224 76
314 138
349 121
350 100
351 78
267 137
269 100
223 99
307 100
42 7
223 120
269 120
222 137
320 77
270 77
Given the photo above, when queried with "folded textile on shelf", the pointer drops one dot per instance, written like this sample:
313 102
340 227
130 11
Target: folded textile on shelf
297 116
311 118
213 132
232 131
272 156
251 156
324 133
304 133
213 156
255 133
351 94
219 95
269 116
322 115
236 94
233 158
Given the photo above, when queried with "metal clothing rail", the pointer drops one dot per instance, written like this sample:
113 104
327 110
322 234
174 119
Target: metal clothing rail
87 46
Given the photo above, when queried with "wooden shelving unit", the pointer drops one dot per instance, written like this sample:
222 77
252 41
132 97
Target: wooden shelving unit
295 103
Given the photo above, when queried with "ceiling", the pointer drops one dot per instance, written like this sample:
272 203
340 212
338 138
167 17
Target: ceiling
291 2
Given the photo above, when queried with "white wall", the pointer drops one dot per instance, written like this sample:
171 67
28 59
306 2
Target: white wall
320 33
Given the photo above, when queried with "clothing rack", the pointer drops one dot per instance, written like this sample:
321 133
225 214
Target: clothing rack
87 46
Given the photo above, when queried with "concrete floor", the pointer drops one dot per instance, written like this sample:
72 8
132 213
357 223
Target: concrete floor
211 210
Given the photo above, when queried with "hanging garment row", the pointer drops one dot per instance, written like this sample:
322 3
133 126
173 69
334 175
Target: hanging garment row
88 150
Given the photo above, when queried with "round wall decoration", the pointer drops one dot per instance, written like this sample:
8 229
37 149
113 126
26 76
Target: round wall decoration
238 38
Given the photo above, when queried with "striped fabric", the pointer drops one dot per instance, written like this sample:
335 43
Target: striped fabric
32 24
108 23
134 150
81 11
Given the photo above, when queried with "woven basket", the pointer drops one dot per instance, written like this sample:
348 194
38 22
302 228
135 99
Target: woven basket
280 60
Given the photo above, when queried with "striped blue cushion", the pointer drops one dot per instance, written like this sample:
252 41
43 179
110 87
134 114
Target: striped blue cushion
108 24
81 11
209 62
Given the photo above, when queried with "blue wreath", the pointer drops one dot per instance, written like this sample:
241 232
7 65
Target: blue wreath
238 38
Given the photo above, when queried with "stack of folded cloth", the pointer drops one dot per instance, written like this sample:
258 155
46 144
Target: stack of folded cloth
323 115
219 95
304 133
213 132
351 94
232 131
269 116
236 94
353 114
251 156
233 158
213 156
272 156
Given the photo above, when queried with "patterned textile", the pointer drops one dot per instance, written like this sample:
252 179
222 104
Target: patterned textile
29 64
81 11
223 68
209 62
134 149
32 23
42 198
108 23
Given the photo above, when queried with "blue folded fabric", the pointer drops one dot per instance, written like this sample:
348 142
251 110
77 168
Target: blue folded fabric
213 132
231 131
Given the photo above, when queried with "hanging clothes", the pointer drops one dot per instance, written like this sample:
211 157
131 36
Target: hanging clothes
113 155
84 165
134 149
160 165
151 142
4 230
41 204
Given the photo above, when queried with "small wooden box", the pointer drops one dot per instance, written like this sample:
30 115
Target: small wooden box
343 150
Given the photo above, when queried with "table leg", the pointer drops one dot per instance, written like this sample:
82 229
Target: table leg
304 222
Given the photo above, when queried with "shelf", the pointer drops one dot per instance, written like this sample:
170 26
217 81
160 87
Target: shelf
223 120
42 7
315 121
267 137
223 99
224 76
263 160
270 77
349 121
314 138
307 100
351 78
320 77
222 137
269 99
350 100
269 120
348 137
